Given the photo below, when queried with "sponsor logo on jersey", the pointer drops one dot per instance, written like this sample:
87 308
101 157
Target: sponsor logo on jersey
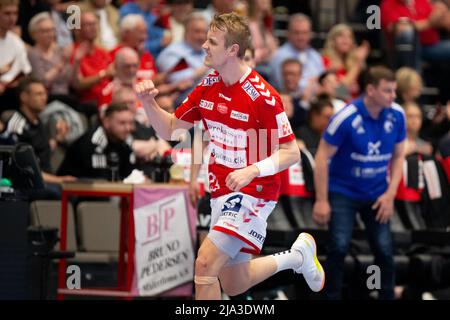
284 127
233 204
250 90
205 104
371 158
374 148
229 214
230 225
259 237
224 97
225 135
222 107
229 158
373 154
239 116
209 81
368 173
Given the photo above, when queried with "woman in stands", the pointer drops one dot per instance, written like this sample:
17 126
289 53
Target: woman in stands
49 61
342 55
260 24
409 85
415 144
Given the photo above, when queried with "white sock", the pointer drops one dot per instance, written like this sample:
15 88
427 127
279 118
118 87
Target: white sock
289 259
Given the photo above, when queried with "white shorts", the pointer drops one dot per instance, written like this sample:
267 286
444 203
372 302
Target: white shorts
242 217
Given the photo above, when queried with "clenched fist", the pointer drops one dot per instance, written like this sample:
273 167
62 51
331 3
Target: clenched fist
146 90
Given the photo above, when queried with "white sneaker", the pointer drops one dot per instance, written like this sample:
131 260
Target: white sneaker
311 268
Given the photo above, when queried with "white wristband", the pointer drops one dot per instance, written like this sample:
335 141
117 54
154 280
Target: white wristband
266 167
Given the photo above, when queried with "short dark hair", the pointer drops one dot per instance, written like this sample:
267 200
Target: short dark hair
375 74
321 102
324 75
25 84
115 107
291 61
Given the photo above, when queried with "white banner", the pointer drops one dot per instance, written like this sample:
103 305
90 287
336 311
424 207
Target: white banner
164 251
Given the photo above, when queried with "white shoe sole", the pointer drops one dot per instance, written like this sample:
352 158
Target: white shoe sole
311 243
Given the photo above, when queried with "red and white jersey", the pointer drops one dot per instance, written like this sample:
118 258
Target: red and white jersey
245 122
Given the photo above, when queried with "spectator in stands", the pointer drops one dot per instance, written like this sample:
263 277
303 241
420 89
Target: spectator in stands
50 63
108 16
184 60
27 10
146 144
444 153
440 124
126 64
292 73
401 19
308 136
344 57
291 70
351 176
133 34
58 12
158 38
409 85
92 64
25 126
249 57
106 151
13 55
298 47
414 144
328 84
179 10
260 23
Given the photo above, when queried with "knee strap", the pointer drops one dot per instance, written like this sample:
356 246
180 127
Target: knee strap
205 280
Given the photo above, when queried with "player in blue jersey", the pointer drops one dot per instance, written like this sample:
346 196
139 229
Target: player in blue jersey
358 169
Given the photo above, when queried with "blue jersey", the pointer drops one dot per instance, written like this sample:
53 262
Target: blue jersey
365 147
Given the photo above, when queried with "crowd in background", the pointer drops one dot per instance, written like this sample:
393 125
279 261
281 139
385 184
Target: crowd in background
67 80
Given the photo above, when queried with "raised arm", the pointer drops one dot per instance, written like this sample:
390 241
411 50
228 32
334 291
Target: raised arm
163 122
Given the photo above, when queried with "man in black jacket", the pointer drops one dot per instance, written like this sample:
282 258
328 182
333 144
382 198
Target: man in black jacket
106 151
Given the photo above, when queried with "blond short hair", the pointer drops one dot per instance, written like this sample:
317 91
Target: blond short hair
406 77
409 105
236 28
